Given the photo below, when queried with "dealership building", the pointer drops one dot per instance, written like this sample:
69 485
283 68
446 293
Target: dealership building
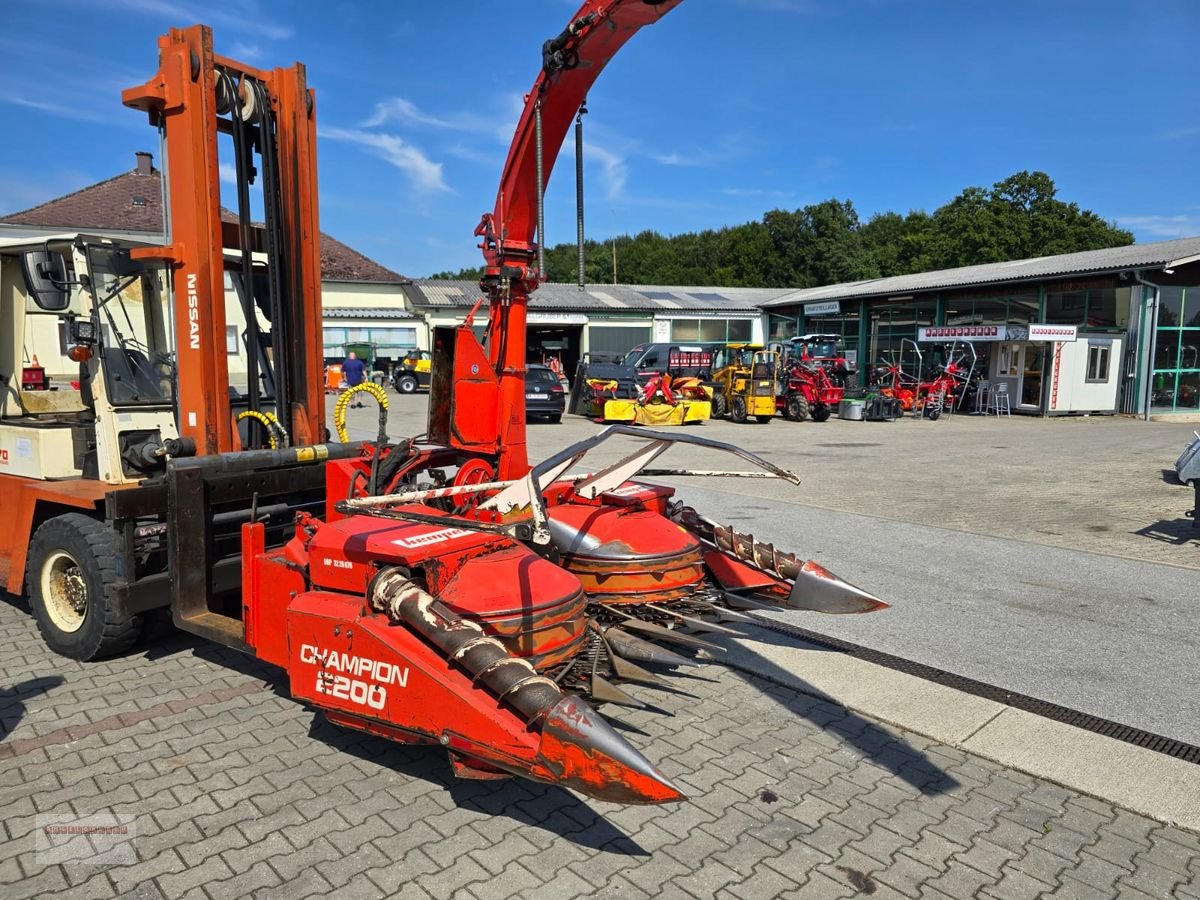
567 321
1114 330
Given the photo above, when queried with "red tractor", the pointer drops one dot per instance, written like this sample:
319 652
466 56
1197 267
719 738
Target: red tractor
808 391
825 350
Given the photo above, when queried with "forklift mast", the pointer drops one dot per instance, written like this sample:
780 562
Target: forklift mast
270 117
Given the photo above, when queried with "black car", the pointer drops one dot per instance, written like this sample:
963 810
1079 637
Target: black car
544 394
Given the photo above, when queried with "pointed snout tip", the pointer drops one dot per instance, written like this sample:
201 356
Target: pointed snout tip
819 590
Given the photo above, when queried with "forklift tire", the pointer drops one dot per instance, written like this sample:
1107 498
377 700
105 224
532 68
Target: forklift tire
407 384
737 410
718 405
796 408
820 412
73 562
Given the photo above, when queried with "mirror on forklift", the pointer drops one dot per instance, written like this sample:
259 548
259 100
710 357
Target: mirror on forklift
46 279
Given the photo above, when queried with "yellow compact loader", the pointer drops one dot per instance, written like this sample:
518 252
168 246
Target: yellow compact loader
744 383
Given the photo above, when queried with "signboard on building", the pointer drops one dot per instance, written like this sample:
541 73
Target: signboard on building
962 333
555 318
1053 332
1031 332
828 308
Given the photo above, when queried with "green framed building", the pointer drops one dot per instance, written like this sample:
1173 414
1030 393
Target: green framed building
1133 314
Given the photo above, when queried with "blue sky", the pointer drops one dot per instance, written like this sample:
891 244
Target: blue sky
725 109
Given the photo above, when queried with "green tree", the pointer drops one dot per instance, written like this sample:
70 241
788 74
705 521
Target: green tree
825 243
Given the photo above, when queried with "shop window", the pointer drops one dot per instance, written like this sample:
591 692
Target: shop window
685 330
1010 355
394 337
1170 307
1189 349
740 329
1191 309
334 336
783 327
1166 349
713 330
1162 390
1187 395
1102 308
1066 307
1097 362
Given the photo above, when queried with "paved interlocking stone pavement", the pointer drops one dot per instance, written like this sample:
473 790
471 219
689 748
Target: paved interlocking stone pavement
240 791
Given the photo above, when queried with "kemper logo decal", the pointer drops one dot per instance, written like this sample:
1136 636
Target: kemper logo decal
3 457
333 676
193 312
432 537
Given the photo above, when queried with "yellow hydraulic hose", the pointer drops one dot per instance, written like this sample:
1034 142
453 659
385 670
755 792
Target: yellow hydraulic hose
276 433
343 403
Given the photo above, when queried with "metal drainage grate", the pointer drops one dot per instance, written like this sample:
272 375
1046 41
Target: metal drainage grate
1130 735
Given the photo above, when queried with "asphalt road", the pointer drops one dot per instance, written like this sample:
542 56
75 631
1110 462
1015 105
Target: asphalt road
1108 636
1039 556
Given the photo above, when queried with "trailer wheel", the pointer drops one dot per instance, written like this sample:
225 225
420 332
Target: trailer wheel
718 405
737 409
73 562
407 384
797 407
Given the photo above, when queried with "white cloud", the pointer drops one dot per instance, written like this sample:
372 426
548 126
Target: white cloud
77 113
227 172
1178 134
402 111
398 109
424 174
242 50
614 168
756 192
248 18
1165 227
784 6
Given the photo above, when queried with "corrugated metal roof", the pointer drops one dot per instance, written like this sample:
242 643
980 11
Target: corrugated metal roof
366 312
607 297
1134 256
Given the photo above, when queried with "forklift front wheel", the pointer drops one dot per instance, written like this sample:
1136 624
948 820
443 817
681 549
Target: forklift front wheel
407 384
73 561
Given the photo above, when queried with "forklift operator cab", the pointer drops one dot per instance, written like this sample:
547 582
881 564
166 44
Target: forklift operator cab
91 325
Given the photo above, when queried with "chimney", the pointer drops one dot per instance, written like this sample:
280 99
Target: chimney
145 162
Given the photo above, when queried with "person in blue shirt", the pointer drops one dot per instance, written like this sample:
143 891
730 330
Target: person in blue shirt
354 371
